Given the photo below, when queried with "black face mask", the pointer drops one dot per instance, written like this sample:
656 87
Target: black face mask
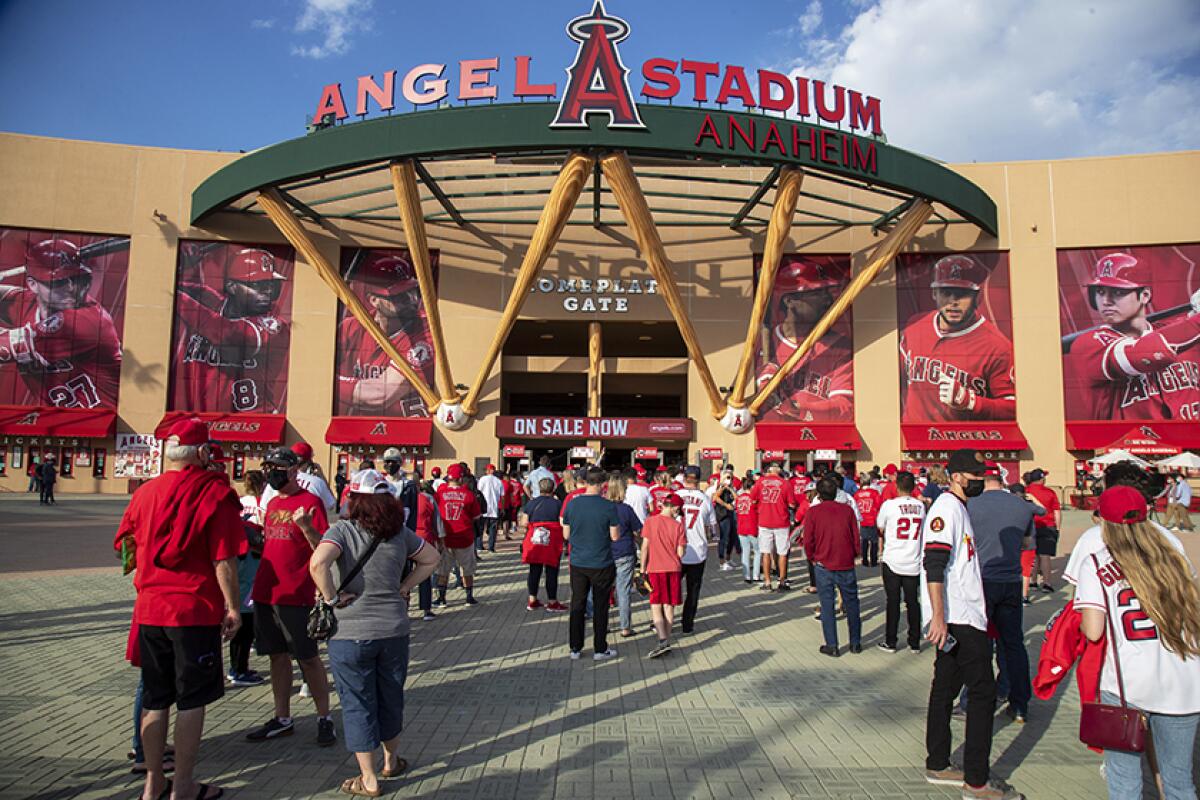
392 467
974 487
277 478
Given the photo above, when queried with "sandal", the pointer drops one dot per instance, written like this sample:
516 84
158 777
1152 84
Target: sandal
354 786
139 767
625 634
165 794
401 765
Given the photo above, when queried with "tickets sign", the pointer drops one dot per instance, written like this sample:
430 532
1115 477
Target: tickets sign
587 428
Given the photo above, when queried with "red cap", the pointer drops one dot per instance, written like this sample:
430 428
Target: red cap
436 472
890 469
673 499
454 472
190 432
54 260
1120 271
800 469
991 469
805 276
958 272
661 468
215 453
491 468
639 469
386 273
251 266
304 450
1123 505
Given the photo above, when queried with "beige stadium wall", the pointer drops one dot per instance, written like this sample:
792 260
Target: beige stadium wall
1042 206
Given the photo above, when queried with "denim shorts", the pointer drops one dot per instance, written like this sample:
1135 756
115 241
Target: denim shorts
370 675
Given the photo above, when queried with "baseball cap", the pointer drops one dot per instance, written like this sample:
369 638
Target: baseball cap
1123 505
673 499
216 454
369 481
54 260
281 457
890 469
661 468
454 472
436 472
966 460
490 468
251 266
639 469
1037 474
190 432
303 450
991 469
691 471
392 454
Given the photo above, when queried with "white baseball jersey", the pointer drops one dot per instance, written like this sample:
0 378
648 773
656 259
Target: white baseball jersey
948 526
846 500
637 497
311 483
698 519
1092 541
492 489
1156 680
900 519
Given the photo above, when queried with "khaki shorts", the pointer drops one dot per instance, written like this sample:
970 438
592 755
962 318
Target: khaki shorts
464 557
774 541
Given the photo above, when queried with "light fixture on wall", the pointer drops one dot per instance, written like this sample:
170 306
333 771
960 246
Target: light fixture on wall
546 336
645 338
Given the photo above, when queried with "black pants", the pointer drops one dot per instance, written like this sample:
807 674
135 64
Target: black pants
893 586
425 594
47 493
969 663
599 582
870 545
693 577
1005 612
535 577
239 646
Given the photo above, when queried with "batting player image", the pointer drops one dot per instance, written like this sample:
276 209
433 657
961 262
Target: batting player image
231 345
958 366
1129 367
368 381
58 345
821 387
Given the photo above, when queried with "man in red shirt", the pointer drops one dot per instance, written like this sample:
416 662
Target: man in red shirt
773 501
458 509
868 501
1045 540
186 530
831 540
284 594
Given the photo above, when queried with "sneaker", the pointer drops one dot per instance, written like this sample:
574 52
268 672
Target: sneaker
950 776
305 691
1026 601
1015 715
428 617
784 586
533 605
326 735
471 601
888 648
575 655
914 648
247 679
272 729
439 603
1047 588
994 790
856 648
229 676
606 655
554 605
661 650
829 651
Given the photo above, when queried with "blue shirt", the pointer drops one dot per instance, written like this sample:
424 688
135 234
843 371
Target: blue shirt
630 524
590 517
848 485
543 508
1000 521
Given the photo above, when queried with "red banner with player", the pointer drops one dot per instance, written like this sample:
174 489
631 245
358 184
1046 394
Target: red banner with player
368 384
62 313
956 351
821 387
233 324
1131 343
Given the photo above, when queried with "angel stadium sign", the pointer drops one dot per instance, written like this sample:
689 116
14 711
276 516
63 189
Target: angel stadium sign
598 84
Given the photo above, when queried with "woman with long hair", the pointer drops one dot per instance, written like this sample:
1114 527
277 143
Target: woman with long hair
1140 591
624 550
369 651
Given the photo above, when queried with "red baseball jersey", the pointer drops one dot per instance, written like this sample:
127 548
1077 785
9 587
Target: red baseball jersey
1152 377
69 359
800 484
227 365
773 498
868 501
657 494
979 357
458 508
821 387
747 519
360 358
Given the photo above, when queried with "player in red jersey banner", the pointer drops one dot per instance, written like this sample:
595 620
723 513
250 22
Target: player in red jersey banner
1131 333
369 384
233 308
956 352
821 387
62 309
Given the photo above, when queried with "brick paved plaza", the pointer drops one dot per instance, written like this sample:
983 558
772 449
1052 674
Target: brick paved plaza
745 707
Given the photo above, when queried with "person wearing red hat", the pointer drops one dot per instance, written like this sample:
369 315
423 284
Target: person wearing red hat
957 364
310 477
231 345
185 530
664 542
492 489
368 381
821 387
61 343
660 489
1127 367
458 509
1139 593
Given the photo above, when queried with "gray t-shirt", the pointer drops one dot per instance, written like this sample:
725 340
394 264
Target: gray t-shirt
1000 520
379 612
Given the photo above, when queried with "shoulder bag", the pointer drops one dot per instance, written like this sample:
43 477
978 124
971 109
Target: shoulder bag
322 622
1111 727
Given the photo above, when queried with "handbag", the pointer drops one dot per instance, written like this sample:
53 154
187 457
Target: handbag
1110 727
322 622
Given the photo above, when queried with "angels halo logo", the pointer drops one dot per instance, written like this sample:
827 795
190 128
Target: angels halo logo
597 81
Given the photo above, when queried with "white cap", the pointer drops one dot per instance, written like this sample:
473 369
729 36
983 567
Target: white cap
392 454
369 481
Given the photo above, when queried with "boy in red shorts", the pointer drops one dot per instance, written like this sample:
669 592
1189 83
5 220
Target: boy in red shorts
663 545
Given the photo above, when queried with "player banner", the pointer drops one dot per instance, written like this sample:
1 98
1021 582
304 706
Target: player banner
956 351
1131 338
368 384
821 387
233 320
62 313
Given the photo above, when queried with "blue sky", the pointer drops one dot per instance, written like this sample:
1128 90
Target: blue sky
959 79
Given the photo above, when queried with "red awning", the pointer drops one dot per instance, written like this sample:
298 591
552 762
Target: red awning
383 431
230 427
80 423
807 436
950 435
1162 438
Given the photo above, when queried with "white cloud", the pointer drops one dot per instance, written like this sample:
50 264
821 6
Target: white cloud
810 20
984 80
336 21
262 24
